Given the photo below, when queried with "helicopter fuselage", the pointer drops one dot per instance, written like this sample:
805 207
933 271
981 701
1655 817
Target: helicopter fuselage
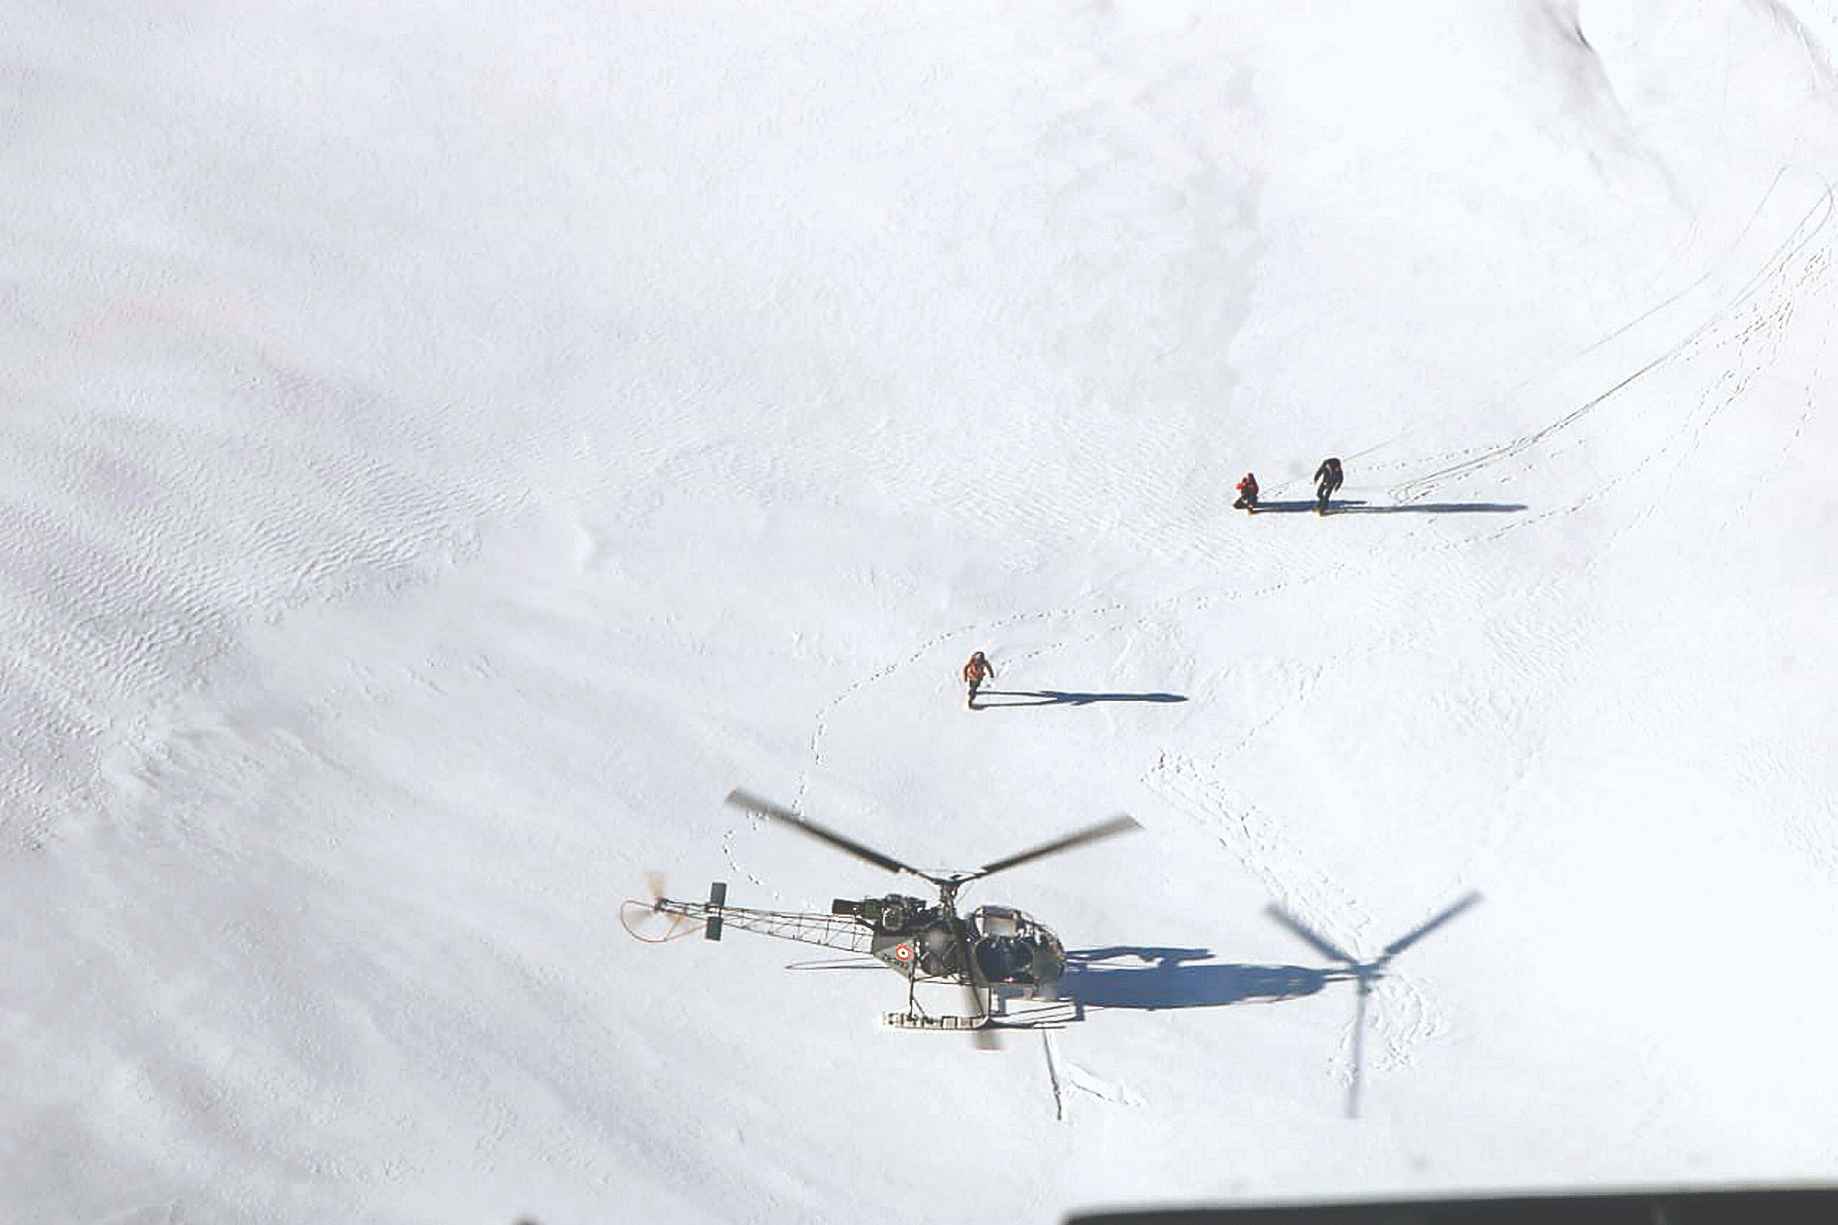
919 939
991 947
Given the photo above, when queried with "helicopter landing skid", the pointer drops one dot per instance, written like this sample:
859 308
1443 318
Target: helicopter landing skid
911 1020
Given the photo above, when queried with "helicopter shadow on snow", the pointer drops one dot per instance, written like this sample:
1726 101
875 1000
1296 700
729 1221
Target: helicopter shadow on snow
1353 506
1056 697
1151 979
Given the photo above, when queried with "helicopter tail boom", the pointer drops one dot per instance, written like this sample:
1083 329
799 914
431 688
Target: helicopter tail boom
716 917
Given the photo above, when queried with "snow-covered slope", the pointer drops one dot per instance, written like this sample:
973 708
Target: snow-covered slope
446 448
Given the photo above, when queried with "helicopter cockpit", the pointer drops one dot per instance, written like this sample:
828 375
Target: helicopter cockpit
1011 947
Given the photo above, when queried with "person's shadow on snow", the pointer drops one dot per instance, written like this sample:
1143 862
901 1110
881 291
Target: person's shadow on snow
1055 697
1353 506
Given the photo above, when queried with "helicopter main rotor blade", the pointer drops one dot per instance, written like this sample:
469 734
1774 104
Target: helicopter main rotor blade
1308 935
1403 942
985 1038
777 812
1103 829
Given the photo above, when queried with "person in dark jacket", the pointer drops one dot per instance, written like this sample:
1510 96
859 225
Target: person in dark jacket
1247 493
1327 481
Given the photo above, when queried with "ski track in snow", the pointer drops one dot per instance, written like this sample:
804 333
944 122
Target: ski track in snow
1753 320
1053 1081
1809 226
1066 1078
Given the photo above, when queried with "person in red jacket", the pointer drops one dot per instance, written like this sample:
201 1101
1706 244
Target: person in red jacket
1247 494
976 672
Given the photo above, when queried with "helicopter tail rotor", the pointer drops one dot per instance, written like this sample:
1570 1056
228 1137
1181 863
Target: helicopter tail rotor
647 920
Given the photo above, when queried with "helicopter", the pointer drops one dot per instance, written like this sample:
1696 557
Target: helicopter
923 941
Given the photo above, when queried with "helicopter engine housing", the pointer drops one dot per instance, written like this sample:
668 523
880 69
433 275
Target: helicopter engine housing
890 915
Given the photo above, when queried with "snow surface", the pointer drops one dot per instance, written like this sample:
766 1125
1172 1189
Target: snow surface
445 447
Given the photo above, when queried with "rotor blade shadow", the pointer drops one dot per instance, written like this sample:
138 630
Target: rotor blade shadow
1309 936
1403 942
1056 697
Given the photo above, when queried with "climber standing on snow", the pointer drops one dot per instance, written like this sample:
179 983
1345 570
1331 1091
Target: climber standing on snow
1327 480
976 672
1247 493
